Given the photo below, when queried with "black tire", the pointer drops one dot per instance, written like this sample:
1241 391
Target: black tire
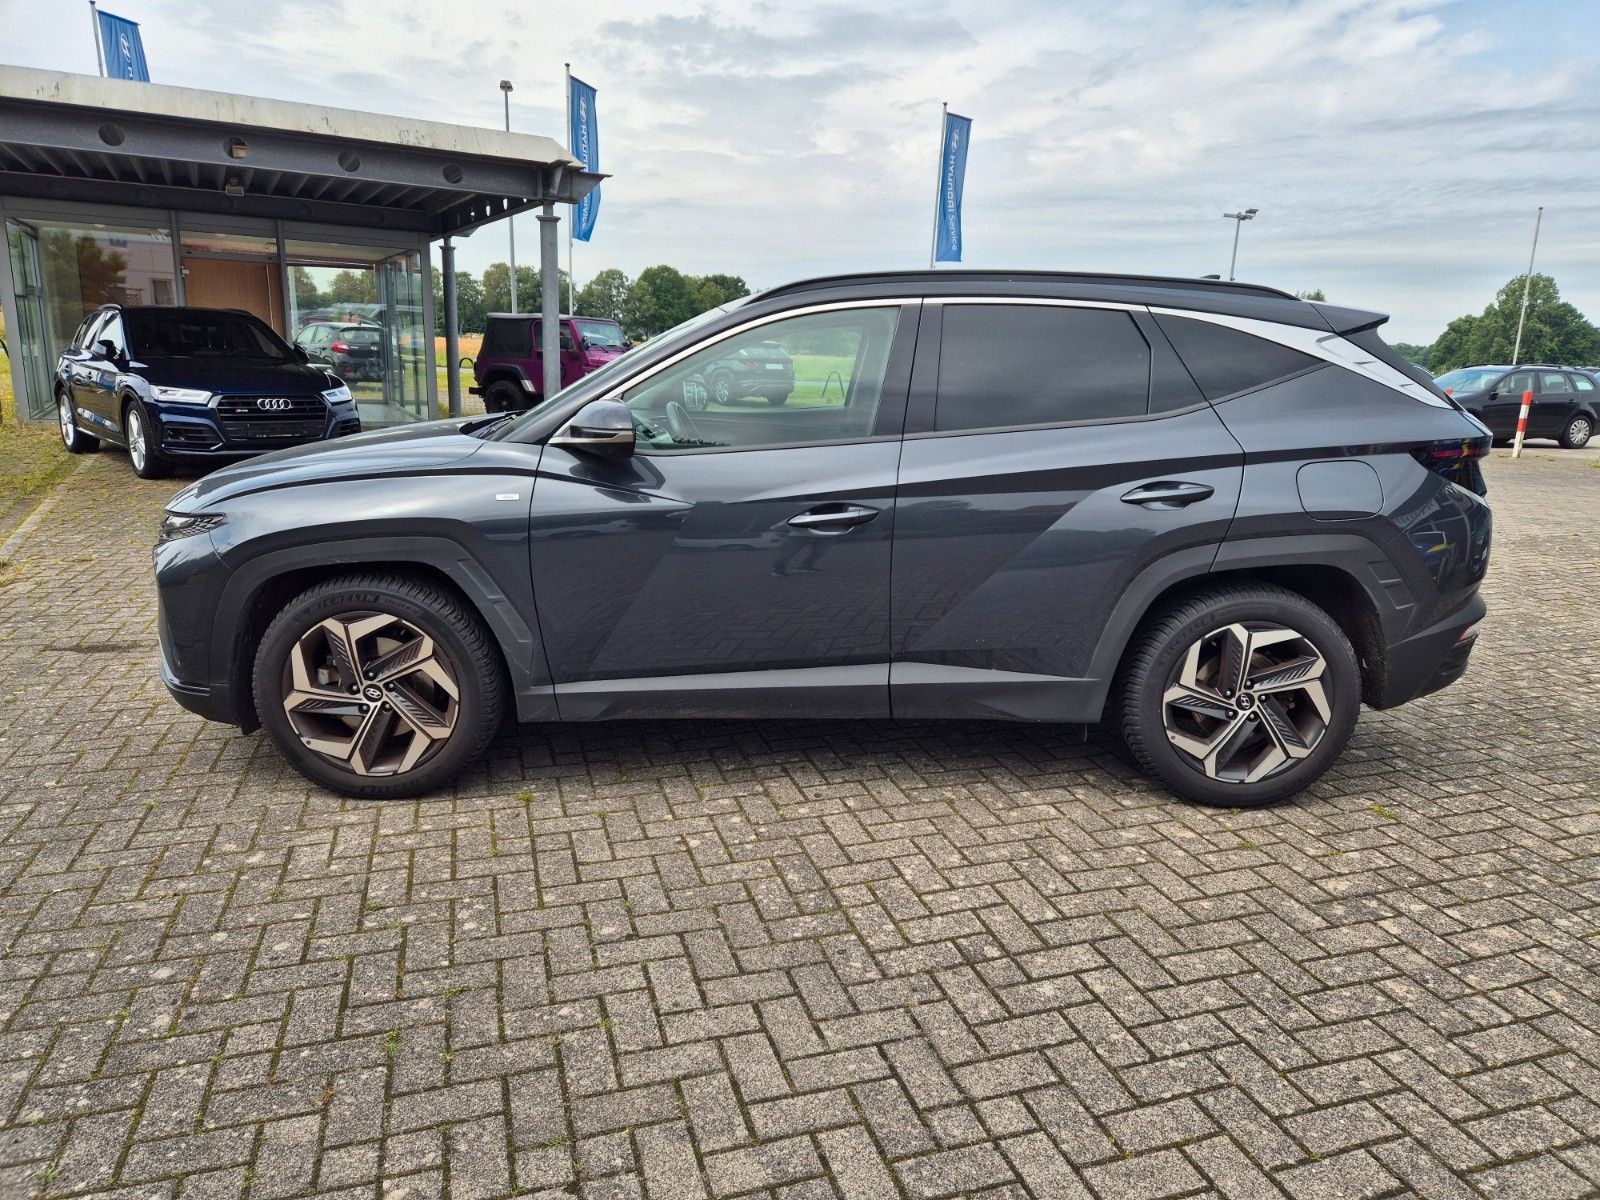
141 437
777 400
463 645
503 396
1158 652
74 439
1577 433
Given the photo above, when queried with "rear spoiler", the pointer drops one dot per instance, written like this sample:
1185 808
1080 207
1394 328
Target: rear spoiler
1360 327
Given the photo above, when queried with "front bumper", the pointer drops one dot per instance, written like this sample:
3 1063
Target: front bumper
194 432
190 578
1434 658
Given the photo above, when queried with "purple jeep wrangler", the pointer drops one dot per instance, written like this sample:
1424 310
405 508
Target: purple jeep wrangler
510 368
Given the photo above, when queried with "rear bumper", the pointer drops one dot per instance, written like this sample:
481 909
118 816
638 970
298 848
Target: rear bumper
1434 658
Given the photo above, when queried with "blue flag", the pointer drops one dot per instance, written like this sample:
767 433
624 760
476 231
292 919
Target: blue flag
121 47
585 143
952 178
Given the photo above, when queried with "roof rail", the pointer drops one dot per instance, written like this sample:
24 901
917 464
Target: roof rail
1171 282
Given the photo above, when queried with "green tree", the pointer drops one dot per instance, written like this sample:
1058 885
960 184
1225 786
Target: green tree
714 290
353 287
659 299
1417 354
1313 294
606 295
497 288
1555 331
469 302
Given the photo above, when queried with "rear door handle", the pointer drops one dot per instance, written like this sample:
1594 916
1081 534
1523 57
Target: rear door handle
1168 494
833 518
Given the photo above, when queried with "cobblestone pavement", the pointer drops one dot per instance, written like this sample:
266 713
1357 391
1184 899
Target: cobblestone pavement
796 960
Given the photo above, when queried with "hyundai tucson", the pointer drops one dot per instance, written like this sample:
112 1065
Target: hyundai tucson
1216 516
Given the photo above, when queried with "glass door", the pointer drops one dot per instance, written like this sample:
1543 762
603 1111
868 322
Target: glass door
29 351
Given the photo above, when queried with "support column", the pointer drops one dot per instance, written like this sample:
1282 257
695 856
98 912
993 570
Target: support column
550 300
452 323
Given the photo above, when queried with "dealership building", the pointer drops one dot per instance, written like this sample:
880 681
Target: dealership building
138 193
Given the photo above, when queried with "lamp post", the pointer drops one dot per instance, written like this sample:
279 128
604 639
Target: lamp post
1238 219
511 222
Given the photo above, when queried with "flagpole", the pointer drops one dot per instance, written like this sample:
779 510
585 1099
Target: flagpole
99 53
938 182
572 218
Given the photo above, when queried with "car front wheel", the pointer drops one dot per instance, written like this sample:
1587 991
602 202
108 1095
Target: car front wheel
378 685
1239 696
142 453
1577 433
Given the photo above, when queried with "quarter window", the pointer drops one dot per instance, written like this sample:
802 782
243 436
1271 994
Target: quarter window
1225 362
1583 383
1004 365
803 380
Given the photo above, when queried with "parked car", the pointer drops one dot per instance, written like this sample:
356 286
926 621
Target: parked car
764 369
509 369
1566 401
1221 517
352 352
192 385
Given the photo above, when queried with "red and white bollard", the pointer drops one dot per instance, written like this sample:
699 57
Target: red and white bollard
1522 424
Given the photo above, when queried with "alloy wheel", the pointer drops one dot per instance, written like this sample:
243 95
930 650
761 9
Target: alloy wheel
721 389
137 449
1247 701
371 693
64 415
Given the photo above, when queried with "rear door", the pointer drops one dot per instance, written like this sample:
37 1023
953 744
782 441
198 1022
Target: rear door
738 563
1054 451
1552 404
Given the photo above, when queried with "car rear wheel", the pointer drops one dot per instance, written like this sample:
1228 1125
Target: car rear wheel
142 453
378 686
777 400
74 439
1577 433
1240 696
503 396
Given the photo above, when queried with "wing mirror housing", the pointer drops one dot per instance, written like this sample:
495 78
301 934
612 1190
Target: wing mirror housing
603 427
300 353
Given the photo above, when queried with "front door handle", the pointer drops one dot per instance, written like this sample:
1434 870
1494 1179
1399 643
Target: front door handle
833 518
1168 494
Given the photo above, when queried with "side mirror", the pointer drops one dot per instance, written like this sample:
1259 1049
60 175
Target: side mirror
300 353
107 350
600 427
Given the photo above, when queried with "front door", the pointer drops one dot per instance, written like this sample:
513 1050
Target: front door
1052 453
96 382
1501 409
738 563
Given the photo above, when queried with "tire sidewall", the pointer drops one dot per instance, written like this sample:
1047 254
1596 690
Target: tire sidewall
1343 678
306 611
504 394
154 466
66 420
1573 443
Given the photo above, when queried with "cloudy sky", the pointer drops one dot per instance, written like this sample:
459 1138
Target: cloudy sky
1397 149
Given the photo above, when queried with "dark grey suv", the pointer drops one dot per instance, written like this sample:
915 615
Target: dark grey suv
1218 516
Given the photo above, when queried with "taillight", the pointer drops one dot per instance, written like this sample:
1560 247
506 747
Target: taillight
1457 460
340 348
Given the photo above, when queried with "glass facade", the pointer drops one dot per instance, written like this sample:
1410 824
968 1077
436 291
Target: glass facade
63 267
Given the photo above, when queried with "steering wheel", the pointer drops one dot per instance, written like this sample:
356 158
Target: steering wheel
680 424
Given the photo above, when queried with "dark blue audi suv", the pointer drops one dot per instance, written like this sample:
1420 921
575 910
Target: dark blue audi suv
1215 516
192 385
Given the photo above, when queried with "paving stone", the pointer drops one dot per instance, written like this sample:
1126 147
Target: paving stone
795 960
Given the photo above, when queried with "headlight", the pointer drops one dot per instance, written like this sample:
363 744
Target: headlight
182 395
338 395
182 525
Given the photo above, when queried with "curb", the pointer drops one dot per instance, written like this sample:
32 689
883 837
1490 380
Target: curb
32 520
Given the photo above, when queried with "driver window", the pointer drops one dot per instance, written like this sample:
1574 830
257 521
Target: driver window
802 380
1516 384
111 332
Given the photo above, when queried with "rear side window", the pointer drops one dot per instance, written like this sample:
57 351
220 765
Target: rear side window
1225 362
509 339
1583 383
1003 365
1553 382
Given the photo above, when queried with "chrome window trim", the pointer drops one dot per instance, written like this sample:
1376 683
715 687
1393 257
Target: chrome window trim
1329 347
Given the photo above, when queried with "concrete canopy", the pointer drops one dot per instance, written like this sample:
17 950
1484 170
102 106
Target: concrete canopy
84 138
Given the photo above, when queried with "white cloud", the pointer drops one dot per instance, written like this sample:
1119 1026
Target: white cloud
1396 148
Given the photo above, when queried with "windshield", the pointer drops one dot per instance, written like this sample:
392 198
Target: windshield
1468 379
202 333
600 377
602 335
